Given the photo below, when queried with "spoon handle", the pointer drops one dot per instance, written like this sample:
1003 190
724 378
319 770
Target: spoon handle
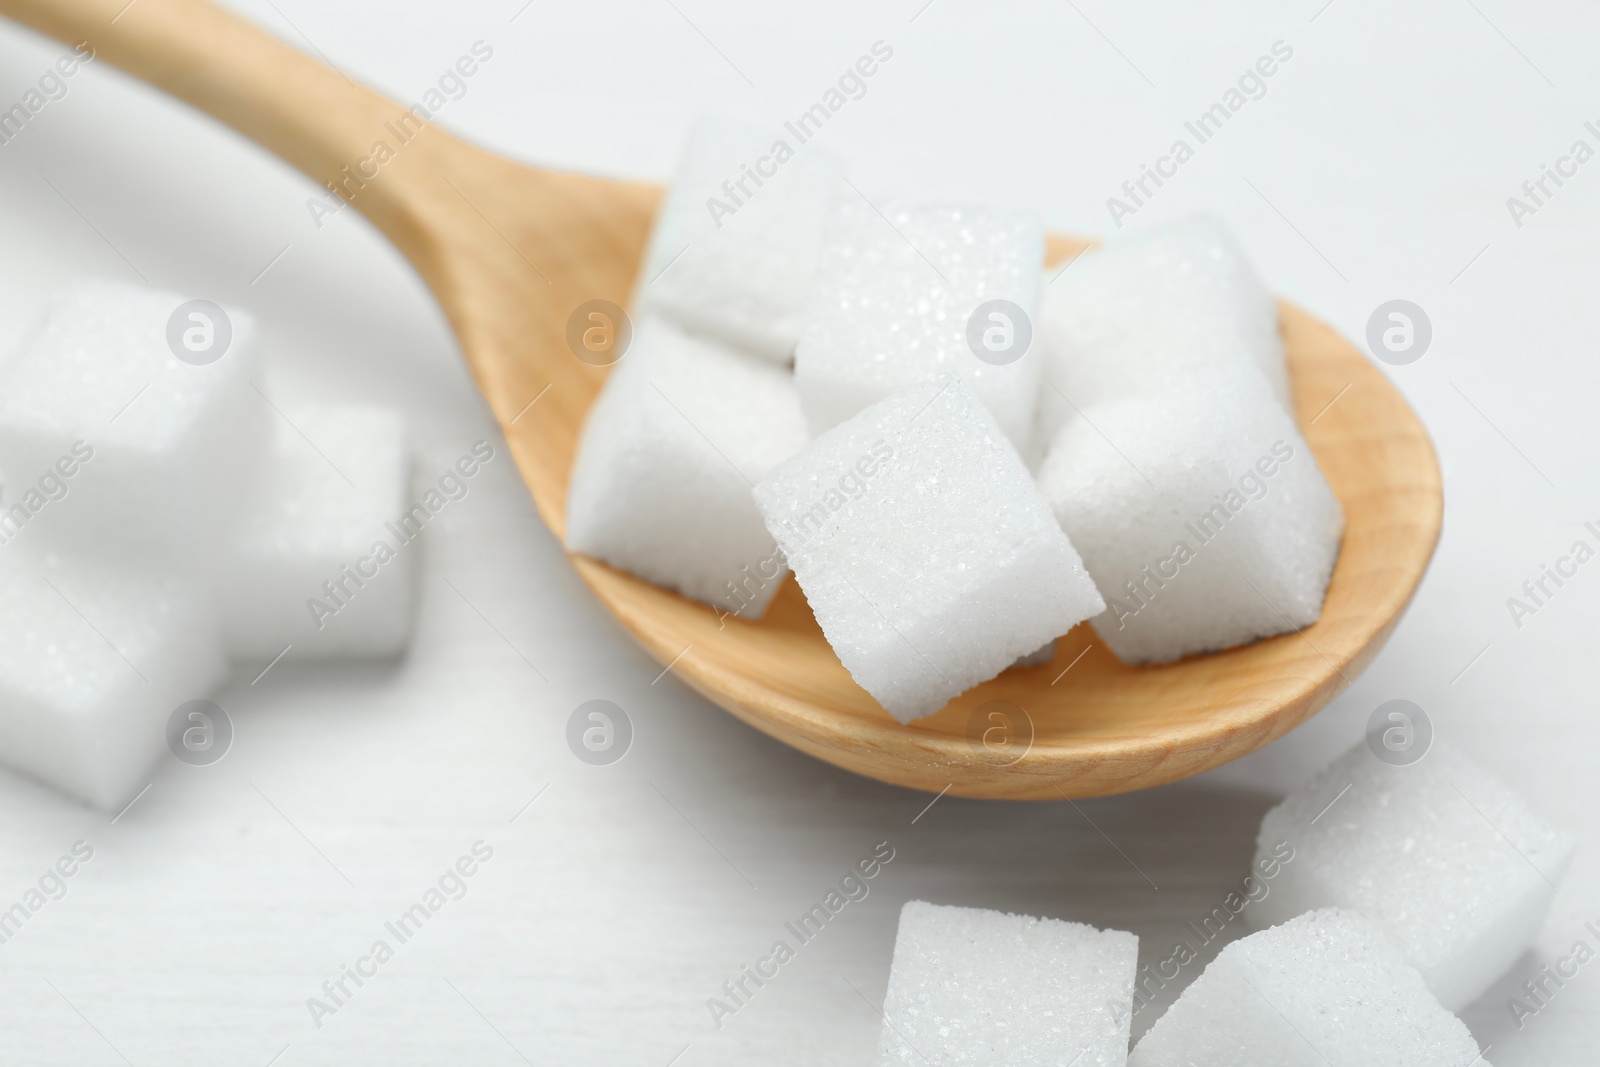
307 113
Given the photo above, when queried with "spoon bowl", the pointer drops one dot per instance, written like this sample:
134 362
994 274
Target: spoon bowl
511 252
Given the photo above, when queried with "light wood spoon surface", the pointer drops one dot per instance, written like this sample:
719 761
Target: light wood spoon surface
511 251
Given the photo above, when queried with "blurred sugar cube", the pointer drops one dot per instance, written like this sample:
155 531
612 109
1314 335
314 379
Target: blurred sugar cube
1322 990
93 660
683 429
735 247
1201 514
1038 657
1145 313
973 986
318 558
1455 867
158 515
174 440
929 558
896 295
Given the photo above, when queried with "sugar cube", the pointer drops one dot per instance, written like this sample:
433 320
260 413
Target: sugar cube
929 558
160 447
1038 657
316 559
662 484
973 986
894 295
94 658
1142 314
1455 867
1322 990
1201 514
735 246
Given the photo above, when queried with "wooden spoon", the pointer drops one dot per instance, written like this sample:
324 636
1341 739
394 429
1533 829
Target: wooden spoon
511 251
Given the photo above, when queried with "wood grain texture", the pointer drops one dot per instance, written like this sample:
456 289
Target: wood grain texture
511 251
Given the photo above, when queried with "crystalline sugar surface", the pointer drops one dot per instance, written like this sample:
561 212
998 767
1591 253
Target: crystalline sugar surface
970 986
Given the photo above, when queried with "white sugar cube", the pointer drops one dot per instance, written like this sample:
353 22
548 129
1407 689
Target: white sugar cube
93 661
929 558
973 986
1201 514
735 246
1038 657
1143 314
320 557
683 429
894 296
1454 866
164 446
1322 990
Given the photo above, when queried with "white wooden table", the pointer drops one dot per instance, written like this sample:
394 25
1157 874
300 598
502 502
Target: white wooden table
1376 165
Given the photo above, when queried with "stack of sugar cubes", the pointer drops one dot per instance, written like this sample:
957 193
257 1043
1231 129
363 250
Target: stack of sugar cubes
159 518
1401 889
703 402
1174 461
1325 989
973 986
1386 895
1455 867
857 391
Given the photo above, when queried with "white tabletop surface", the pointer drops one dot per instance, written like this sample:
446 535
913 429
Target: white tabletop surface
1376 166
